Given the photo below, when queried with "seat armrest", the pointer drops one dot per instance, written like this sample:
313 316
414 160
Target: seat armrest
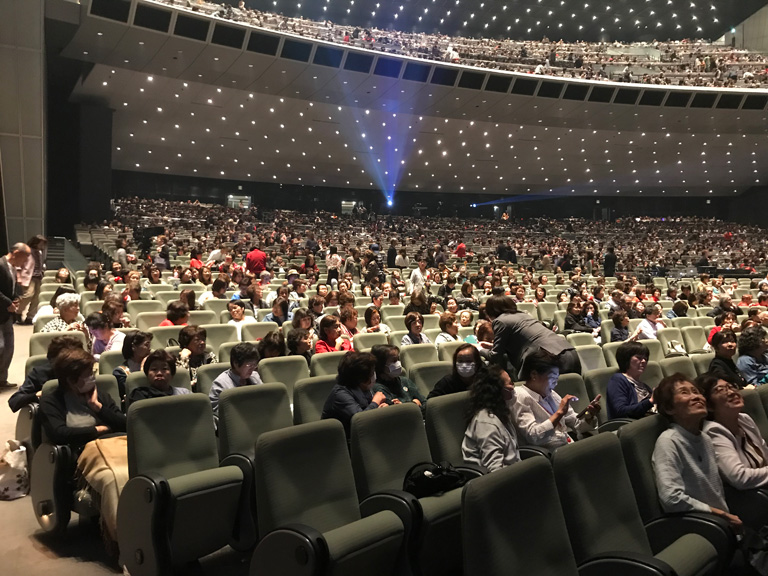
246 531
528 451
626 564
614 424
142 531
402 503
665 530
292 550
51 486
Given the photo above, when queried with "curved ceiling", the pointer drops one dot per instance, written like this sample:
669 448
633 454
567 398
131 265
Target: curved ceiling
317 114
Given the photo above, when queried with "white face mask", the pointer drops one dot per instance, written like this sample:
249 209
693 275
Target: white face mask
395 369
466 369
86 385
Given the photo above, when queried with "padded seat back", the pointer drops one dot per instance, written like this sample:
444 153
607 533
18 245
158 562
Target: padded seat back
753 407
638 439
426 375
41 320
309 396
492 539
325 364
596 382
285 369
666 336
38 343
529 308
446 350
146 320
705 322
156 443
390 310
546 311
558 319
653 374
655 351
207 373
591 358
695 339
110 360
217 306
581 339
573 384
415 354
363 342
295 485
682 364
683 322
596 495
445 424
200 317
609 351
382 465
701 362
135 307
257 330
167 296
605 330
247 412
431 321
218 334
162 334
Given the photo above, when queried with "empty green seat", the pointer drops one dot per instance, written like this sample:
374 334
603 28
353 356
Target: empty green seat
309 396
416 354
285 369
325 364
427 374
363 342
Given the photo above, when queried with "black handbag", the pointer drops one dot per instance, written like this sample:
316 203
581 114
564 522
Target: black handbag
431 479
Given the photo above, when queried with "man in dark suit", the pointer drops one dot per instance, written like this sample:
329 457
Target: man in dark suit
10 291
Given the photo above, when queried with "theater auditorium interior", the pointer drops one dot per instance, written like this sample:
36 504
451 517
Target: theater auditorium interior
505 212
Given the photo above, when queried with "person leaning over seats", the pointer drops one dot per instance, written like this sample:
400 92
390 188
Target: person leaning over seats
541 416
626 395
243 360
516 334
397 389
490 439
30 390
159 368
76 412
352 392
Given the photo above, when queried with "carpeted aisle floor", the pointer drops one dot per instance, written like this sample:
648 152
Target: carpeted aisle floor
27 551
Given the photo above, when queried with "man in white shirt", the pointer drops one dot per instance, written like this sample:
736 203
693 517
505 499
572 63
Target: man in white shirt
218 290
419 276
651 324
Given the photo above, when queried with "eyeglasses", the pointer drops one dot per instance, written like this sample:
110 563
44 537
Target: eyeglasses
724 388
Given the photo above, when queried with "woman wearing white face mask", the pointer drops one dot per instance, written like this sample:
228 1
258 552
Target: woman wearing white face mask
77 412
353 391
490 439
542 417
397 389
466 364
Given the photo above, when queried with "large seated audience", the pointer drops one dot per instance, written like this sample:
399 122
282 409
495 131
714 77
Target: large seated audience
681 63
507 299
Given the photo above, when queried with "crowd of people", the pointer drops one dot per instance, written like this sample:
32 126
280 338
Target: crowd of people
477 278
684 63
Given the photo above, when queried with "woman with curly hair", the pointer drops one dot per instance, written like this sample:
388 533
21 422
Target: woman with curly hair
490 439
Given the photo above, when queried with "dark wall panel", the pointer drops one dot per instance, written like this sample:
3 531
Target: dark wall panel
95 162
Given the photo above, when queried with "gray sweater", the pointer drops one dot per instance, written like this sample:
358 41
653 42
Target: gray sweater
686 472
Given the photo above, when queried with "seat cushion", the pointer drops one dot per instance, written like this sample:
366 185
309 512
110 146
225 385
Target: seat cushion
204 480
369 546
690 555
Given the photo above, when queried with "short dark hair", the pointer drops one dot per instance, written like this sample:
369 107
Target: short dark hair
133 339
243 353
722 336
71 363
60 343
355 368
626 351
274 342
499 304
412 317
539 361
294 337
98 321
162 356
347 313
446 319
618 318
176 310
218 284
189 333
